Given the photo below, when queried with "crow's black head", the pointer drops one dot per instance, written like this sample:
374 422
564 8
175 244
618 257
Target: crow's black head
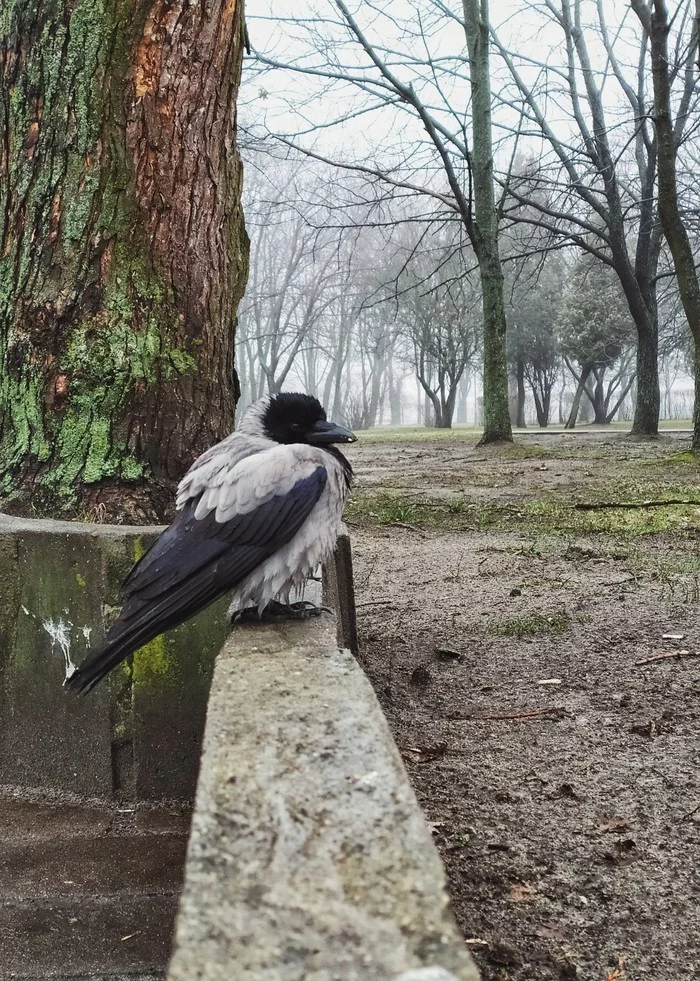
292 417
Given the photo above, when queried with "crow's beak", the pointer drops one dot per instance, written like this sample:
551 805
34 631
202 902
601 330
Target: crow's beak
323 432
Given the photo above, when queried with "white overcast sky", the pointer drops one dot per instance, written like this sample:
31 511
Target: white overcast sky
271 33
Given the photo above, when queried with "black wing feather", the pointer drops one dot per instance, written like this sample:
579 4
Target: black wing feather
190 565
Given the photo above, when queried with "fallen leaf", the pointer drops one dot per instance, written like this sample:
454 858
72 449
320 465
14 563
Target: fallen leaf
521 892
617 824
618 973
447 654
424 754
551 932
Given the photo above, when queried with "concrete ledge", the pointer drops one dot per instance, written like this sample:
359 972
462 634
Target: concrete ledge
309 858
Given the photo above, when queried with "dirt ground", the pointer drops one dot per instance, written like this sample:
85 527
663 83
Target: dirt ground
516 643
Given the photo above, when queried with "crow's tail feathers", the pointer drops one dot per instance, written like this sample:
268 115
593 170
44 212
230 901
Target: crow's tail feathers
139 622
98 663
133 629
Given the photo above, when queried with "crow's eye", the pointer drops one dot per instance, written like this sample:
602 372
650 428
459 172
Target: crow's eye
296 427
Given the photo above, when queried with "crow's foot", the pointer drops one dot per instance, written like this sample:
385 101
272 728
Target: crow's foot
274 612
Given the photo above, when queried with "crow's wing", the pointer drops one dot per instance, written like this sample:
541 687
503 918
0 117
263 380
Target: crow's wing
199 557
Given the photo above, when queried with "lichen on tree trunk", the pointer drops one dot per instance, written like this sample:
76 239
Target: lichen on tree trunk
122 248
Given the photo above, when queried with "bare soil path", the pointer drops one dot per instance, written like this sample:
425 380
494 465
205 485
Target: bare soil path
539 663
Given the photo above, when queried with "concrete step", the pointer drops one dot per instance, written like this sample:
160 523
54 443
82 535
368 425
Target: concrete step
103 937
87 893
92 867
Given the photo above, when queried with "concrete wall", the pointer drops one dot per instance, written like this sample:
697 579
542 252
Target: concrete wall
138 735
309 858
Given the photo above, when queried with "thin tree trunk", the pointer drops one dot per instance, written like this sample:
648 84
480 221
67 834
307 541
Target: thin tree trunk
520 404
580 388
395 386
496 417
122 248
463 398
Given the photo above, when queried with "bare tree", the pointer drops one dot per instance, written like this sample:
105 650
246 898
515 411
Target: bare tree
655 19
293 279
594 185
424 85
437 317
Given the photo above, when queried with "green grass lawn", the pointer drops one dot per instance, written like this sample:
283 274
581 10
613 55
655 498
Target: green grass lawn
411 434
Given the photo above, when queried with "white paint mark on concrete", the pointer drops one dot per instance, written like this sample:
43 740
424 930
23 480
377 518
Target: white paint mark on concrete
59 632
86 634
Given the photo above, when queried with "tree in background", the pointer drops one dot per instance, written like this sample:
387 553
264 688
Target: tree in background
438 317
596 332
533 309
122 247
293 278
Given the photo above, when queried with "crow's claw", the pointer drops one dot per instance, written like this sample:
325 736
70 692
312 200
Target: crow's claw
274 612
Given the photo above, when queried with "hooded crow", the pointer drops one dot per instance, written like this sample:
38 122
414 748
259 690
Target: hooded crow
256 515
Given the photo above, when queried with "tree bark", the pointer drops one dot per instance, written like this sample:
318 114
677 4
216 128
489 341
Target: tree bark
122 248
485 239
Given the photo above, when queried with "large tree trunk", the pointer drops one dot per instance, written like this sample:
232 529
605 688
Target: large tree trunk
648 397
122 248
656 23
496 416
598 401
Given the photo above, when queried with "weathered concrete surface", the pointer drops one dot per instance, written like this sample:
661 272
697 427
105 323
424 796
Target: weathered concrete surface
138 735
309 859
85 893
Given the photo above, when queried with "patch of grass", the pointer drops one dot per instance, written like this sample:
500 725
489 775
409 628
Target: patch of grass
684 458
533 518
385 508
382 508
560 518
533 625
675 573
417 434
